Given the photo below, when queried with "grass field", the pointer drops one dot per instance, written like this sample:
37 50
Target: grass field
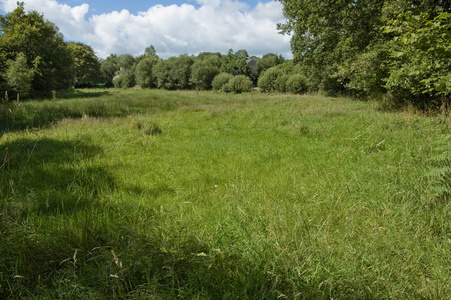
134 194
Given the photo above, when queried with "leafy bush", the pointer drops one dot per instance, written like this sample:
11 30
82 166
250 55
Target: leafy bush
297 84
125 80
174 73
267 81
364 74
238 84
203 73
220 81
421 56
281 83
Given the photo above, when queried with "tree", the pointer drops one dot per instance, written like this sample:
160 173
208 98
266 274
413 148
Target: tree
422 55
242 53
234 65
203 72
108 68
86 64
125 76
150 51
326 34
267 61
43 46
144 72
341 46
19 76
174 73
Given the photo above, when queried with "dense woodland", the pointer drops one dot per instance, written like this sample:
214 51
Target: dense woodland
397 50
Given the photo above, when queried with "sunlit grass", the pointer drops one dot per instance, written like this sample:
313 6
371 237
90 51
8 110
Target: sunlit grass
212 196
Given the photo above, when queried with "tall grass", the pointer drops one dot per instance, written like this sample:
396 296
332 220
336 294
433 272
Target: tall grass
167 195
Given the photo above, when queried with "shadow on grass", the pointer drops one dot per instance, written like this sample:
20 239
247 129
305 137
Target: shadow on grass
35 114
81 94
51 176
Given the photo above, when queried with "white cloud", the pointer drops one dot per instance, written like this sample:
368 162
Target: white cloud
216 26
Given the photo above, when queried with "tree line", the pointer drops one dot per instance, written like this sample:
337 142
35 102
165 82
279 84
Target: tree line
35 61
373 47
400 49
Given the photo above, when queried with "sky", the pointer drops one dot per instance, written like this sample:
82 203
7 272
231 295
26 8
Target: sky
172 27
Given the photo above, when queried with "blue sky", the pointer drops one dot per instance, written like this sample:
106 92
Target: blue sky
135 6
172 27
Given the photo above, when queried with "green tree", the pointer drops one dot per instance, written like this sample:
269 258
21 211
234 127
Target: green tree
267 61
235 65
203 72
422 56
86 64
242 53
109 68
326 34
19 76
174 73
144 72
150 51
125 76
43 46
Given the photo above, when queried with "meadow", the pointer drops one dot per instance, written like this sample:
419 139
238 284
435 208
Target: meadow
151 194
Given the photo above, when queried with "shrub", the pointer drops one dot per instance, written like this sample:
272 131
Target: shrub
202 74
125 79
238 84
297 84
281 83
267 81
220 81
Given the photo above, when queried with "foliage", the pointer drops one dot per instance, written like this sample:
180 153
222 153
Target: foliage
242 53
19 76
174 73
297 84
150 51
267 61
109 68
221 80
327 34
46 52
86 65
366 48
366 74
281 83
144 72
238 84
235 65
422 54
125 79
267 80
203 72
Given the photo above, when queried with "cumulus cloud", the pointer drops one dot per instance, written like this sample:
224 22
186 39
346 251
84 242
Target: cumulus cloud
214 25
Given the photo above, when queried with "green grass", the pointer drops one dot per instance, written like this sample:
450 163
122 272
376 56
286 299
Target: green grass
135 194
